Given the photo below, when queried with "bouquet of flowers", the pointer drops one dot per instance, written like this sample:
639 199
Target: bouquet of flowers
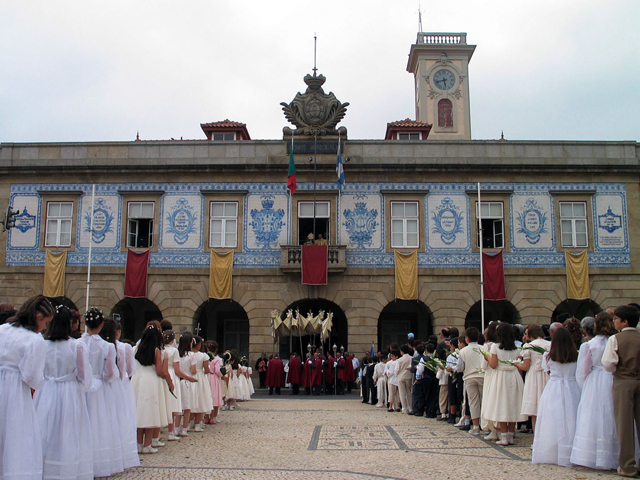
513 363
481 370
433 363
534 348
482 352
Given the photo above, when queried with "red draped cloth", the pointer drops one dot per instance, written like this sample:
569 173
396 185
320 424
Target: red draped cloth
493 276
329 370
275 373
295 370
314 264
349 374
316 373
306 373
135 276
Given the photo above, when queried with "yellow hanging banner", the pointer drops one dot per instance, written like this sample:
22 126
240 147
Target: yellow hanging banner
54 268
220 272
577 275
406 275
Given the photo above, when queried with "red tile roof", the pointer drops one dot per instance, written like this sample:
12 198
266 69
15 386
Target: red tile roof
224 124
408 123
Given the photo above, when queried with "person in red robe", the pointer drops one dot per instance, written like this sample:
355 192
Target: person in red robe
295 373
316 373
307 375
275 375
329 372
349 374
339 364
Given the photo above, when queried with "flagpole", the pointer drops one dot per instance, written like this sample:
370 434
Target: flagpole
480 239
93 197
315 164
290 216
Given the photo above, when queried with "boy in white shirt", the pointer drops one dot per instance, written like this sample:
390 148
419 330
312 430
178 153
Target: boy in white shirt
392 381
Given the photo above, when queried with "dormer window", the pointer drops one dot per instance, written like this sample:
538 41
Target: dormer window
409 136
219 137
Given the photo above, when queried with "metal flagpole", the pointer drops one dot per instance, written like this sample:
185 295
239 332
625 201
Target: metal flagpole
480 240
290 216
315 163
93 197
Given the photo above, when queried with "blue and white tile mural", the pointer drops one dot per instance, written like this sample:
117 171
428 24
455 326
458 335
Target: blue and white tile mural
362 223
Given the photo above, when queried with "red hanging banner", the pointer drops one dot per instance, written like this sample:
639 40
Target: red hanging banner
135 276
315 264
493 273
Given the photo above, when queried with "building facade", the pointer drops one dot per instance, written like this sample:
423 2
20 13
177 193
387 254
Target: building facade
181 199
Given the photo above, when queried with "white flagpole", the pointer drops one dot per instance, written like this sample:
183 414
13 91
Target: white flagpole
338 206
480 237
291 206
93 197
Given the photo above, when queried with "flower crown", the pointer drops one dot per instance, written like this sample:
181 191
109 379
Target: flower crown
93 314
60 307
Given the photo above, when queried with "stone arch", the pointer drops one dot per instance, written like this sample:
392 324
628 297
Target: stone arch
401 317
339 333
134 313
224 321
575 308
494 310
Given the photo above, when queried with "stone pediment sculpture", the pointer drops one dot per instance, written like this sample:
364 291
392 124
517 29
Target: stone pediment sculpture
315 112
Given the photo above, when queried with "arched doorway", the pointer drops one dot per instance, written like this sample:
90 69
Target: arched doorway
224 321
401 317
134 313
575 308
494 311
339 333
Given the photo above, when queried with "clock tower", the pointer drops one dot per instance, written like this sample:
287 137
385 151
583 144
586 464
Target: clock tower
439 63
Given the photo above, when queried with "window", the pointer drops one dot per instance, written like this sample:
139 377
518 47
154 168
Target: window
59 219
306 220
224 136
223 231
409 136
404 225
445 113
492 225
573 224
140 224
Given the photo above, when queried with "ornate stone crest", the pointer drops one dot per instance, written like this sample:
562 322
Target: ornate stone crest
314 112
267 223
610 221
532 221
447 221
102 220
181 221
361 224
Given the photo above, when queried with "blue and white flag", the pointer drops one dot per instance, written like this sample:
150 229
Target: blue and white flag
339 167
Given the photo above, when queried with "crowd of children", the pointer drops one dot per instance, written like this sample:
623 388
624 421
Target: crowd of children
560 387
87 407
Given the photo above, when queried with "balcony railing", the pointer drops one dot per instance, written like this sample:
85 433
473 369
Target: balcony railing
428 38
291 258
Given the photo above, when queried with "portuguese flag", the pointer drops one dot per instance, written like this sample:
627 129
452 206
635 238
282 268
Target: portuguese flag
291 180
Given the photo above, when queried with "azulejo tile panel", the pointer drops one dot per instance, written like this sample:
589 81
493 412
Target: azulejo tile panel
361 223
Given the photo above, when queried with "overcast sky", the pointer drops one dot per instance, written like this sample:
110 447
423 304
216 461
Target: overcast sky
94 70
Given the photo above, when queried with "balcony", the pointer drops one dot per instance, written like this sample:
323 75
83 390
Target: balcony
290 258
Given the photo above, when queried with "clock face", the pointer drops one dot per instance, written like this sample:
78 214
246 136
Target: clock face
444 79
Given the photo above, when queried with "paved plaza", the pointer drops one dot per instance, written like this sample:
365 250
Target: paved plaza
286 437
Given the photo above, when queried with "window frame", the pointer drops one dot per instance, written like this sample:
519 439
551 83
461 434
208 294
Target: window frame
224 134
58 221
419 135
495 219
127 197
136 221
493 196
225 220
404 219
217 196
573 219
307 197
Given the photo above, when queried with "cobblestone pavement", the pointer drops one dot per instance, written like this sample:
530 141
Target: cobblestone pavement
292 438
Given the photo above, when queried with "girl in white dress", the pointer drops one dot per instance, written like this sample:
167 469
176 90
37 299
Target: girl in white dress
125 378
22 360
536 378
187 386
490 340
249 373
60 404
504 397
242 381
107 449
215 381
558 405
175 403
148 387
204 403
596 442
125 427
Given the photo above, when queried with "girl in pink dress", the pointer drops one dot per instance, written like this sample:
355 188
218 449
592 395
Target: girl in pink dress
215 381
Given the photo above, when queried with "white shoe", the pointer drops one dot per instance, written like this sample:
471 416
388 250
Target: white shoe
475 431
198 428
183 432
460 423
504 440
510 438
155 442
149 449
492 436
171 437
191 426
140 445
